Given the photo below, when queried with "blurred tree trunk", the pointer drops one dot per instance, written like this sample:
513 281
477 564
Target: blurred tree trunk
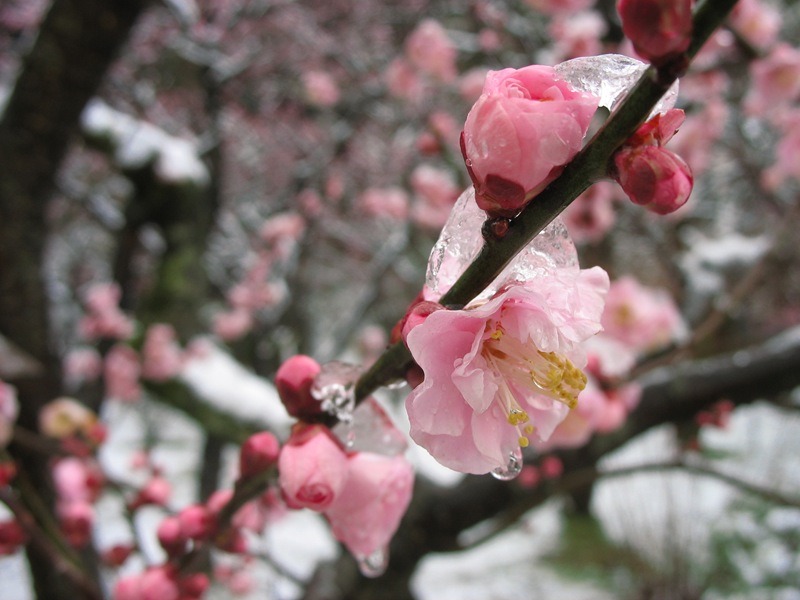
76 44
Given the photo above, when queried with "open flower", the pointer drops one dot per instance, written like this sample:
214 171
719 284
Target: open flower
525 126
498 373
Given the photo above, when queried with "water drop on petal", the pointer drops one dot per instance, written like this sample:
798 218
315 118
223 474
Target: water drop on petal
512 468
374 564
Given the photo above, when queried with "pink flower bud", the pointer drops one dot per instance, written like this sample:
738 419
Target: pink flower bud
12 536
197 522
293 380
659 29
551 467
654 177
116 555
171 537
313 468
417 314
76 521
194 585
524 128
258 454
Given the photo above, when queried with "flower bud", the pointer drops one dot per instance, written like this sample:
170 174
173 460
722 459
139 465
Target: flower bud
258 454
654 177
659 29
294 380
171 537
524 128
313 468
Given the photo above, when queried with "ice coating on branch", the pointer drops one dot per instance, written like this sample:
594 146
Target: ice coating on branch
461 241
371 430
334 387
610 77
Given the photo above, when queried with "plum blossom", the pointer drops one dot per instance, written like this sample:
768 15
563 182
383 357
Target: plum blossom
649 174
659 29
644 318
501 373
367 512
524 128
430 50
121 373
104 319
591 215
313 468
162 358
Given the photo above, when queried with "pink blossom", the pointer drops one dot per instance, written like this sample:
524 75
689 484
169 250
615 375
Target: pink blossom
313 468
659 29
82 364
233 325
430 50
162 358
500 372
390 203
320 88
171 537
775 80
156 583
591 215
156 491
699 133
104 318
470 85
644 318
77 481
367 512
756 22
786 164
551 467
523 129
122 373
435 193
553 7
577 34
9 409
404 81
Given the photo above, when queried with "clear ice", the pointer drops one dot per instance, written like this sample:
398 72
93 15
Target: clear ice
461 241
374 565
610 77
334 387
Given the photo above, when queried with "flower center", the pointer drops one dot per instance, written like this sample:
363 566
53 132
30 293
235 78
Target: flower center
522 366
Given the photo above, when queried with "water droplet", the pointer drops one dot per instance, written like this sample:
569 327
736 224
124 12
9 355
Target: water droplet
374 565
512 468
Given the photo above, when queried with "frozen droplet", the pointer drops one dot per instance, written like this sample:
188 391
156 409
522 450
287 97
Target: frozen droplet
334 387
374 564
610 77
512 468
460 242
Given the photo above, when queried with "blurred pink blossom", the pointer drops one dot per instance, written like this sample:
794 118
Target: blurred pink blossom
554 7
66 417
233 324
82 365
389 203
122 373
577 34
430 50
162 357
525 126
320 88
103 319
591 215
787 150
499 373
435 193
659 29
756 22
645 318
775 80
